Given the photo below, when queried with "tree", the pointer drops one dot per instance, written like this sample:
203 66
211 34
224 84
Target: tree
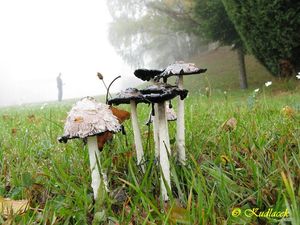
270 30
215 25
151 33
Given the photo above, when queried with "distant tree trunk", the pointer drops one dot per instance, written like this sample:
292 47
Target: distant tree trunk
242 68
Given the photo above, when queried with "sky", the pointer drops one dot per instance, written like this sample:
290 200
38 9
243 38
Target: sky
41 38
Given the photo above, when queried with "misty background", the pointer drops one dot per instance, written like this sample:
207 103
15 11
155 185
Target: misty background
40 39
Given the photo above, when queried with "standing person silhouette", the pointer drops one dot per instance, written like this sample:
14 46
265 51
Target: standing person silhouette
59 87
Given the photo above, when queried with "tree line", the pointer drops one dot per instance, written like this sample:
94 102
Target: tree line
158 32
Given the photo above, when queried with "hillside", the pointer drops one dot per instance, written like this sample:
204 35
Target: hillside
222 71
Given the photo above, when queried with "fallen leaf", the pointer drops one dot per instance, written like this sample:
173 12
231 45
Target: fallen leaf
122 115
288 111
14 131
225 159
11 207
103 138
5 117
230 124
31 117
179 215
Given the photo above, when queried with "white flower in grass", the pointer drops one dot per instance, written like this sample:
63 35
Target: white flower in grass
43 106
256 90
269 83
298 76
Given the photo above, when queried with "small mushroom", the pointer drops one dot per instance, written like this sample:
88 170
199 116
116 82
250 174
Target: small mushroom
180 69
159 94
132 96
149 75
86 120
170 113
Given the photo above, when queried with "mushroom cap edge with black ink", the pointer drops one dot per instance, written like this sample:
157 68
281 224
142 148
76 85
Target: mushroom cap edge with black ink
87 119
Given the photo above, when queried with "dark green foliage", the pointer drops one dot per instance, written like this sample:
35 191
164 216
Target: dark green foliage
214 23
270 30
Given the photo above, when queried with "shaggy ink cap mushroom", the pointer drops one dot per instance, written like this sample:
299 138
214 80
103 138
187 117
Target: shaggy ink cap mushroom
124 97
89 118
162 92
146 75
132 96
159 94
179 68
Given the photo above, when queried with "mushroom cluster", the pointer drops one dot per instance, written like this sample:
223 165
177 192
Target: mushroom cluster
96 122
159 94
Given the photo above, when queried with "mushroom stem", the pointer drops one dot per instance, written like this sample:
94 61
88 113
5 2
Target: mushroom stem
180 136
155 127
164 146
137 134
155 131
94 155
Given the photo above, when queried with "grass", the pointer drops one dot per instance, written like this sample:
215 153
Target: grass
223 73
254 165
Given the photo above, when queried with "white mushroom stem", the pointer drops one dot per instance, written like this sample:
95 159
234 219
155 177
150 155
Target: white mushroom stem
180 136
155 131
94 154
155 127
137 134
164 146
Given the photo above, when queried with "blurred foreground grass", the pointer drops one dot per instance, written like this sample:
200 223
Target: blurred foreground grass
255 164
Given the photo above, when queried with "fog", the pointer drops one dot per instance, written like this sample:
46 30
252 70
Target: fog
40 39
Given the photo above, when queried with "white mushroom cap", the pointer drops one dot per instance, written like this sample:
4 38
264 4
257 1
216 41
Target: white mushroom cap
181 67
89 118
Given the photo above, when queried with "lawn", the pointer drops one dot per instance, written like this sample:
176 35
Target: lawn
231 168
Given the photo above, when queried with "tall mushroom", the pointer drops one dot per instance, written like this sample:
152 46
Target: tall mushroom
132 96
171 116
86 120
180 69
159 94
148 75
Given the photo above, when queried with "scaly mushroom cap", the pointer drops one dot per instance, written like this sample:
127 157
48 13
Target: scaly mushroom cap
89 118
124 97
180 68
162 92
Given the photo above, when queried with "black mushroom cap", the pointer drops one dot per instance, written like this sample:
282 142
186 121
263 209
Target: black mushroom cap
146 75
179 68
162 92
64 139
124 97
